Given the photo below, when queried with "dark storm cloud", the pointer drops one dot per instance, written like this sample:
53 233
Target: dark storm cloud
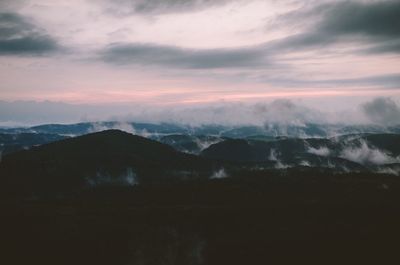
20 37
382 111
127 7
374 23
378 19
151 54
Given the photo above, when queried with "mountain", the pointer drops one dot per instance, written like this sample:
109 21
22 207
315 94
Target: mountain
112 197
193 144
19 141
373 152
90 127
157 130
110 157
387 142
114 157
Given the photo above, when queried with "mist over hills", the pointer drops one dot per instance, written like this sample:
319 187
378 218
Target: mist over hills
181 197
199 132
377 111
51 158
335 147
305 130
157 190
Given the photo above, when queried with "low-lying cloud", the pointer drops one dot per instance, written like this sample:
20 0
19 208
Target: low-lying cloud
284 111
122 126
321 151
274 157
365 155
383 111
127 178
219 174
277 115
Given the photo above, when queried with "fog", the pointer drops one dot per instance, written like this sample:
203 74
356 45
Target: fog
101 178
219 174
379 111
366 154
321 151
123 126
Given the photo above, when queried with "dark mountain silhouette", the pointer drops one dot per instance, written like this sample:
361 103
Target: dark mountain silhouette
106 157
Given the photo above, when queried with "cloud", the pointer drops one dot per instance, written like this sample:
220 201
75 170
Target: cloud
162 55
389 170
273 155
364 154
20 37
386 81
278 115
376 19
388 47
219 174
157 7
127 178
305 163
367 28
383 111
373 23
363 28
283 111
9 5
123 126
321 151
204 144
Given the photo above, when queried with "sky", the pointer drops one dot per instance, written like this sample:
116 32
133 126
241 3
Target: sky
76 60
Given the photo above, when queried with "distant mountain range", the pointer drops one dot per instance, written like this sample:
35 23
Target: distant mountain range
158 130
360 152
183 138
40 163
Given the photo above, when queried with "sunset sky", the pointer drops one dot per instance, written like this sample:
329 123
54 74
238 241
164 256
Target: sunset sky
174 53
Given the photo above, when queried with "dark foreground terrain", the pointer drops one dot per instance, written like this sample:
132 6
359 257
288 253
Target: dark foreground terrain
346 220
115 198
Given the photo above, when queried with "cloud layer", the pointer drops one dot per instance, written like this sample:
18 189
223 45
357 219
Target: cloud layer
184 53
279 114
154 7
170 56
376 24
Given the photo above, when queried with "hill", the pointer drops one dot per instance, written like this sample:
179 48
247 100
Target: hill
108 157
357 152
